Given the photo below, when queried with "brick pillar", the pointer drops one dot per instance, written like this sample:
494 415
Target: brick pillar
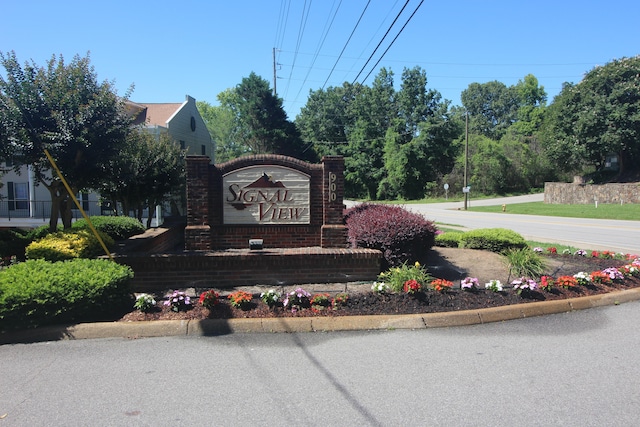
197 234
334 233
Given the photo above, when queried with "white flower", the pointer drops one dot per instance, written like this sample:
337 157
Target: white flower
494 285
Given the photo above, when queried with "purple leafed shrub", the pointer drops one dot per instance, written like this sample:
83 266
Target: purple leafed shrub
402 236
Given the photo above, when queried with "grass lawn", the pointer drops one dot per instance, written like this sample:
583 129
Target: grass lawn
629 212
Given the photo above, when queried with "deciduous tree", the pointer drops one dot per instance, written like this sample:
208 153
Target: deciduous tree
62 108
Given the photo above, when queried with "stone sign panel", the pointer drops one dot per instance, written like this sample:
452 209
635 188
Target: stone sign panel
266 195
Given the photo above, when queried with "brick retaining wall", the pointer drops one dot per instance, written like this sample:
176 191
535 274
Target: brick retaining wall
236 267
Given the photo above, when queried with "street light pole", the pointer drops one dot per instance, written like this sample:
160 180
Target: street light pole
466 157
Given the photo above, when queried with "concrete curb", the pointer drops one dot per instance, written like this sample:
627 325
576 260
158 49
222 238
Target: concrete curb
213 327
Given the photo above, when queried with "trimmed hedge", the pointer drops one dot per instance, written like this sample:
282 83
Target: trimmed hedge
64 245
450 239
492 239
117 227
37 292
400 235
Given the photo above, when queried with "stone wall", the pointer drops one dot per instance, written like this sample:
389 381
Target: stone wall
577 193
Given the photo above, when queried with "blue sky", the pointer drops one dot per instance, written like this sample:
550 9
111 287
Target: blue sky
170 49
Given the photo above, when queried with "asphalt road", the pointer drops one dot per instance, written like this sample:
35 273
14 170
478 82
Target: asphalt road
595 234
572 369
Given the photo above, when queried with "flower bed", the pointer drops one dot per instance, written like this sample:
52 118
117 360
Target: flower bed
420 296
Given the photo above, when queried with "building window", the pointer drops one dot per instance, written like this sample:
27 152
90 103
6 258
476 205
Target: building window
203 150
83 199
183 145
18 195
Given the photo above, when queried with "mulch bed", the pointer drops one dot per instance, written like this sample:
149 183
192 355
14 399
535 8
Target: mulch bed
369 303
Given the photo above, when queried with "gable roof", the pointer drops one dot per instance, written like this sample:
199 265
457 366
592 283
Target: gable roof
158 114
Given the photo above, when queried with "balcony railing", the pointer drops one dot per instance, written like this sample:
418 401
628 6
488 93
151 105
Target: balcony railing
41 209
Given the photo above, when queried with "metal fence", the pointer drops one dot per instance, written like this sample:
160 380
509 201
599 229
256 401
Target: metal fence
41 209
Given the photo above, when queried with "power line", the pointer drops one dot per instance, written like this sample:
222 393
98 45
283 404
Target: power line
326 33
303 24
345 45
392 41
379 43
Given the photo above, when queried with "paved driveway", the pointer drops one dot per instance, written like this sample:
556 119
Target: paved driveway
572 369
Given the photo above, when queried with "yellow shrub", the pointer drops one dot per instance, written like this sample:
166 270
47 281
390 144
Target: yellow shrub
67 245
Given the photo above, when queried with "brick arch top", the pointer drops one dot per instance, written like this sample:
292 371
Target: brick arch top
230 203
267 159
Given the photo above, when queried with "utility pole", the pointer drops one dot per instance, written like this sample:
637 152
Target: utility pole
466 157
275 92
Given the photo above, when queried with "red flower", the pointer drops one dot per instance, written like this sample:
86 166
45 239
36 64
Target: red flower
546 282
552 250
412 286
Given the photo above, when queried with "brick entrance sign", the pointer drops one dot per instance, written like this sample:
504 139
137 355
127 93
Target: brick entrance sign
294 207
285 202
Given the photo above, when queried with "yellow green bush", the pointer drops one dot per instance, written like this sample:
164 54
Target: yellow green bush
62 246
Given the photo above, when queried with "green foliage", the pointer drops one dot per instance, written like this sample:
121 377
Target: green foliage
395 142
41 232
62 108
149 169
492 108
492 239
597 117
524 262
37 293
116 227
396 277
253 121
63 245
450 239
13 242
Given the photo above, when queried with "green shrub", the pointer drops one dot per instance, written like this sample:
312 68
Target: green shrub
37 292
492 239
13 242
117 227
64 245
41 232
449 239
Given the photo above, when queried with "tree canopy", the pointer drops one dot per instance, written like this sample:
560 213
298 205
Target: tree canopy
149 171
598 117
62 108
251 120
394 141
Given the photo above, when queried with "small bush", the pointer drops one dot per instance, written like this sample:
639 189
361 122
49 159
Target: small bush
492 239
41 232
402 236
37 292
117 227
62 246
13 242
450 239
